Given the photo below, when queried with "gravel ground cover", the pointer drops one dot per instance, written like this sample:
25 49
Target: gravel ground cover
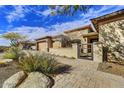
7 71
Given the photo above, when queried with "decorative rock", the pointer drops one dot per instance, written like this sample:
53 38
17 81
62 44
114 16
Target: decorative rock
7 60
14 80
36 80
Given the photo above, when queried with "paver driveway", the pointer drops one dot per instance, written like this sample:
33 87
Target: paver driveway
84 74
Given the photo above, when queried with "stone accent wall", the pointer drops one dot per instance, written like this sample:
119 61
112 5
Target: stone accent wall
97 52
112 36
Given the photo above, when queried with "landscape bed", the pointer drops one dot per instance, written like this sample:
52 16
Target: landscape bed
7 71
112 68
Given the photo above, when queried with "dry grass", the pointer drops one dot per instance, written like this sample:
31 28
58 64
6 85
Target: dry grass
44 63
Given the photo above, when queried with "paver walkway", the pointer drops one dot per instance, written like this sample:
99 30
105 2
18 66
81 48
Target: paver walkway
84 74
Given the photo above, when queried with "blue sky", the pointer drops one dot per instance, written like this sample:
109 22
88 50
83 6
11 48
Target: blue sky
36 21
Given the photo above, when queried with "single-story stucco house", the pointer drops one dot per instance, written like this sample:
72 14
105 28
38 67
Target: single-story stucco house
28 45
107 29
85 34
60 41
44 43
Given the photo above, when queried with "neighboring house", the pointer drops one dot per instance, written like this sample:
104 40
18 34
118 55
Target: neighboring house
86 34
44 43
108 29
29 45
58 41
61 41
111 33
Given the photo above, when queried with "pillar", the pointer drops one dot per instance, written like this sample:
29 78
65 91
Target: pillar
97 52
75 49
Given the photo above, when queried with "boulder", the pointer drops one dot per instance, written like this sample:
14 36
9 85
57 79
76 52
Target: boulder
7 60
14 80
36 80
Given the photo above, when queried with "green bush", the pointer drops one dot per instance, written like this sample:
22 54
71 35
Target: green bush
44 63
13 53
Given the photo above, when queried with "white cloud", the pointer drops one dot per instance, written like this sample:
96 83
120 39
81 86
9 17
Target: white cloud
69 25
3 42
32 32
18 12
102 11
37 32
1 6
45 12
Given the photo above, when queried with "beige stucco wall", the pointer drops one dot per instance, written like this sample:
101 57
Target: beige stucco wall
78 35
67 52
112 35
57 44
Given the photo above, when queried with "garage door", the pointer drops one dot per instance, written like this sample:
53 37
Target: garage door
42 46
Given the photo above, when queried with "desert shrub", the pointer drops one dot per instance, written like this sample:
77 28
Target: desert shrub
3 48
3 64
44 63
13 53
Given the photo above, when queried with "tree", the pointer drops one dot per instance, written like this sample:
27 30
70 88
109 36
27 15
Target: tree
14 38
15 51
69 9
